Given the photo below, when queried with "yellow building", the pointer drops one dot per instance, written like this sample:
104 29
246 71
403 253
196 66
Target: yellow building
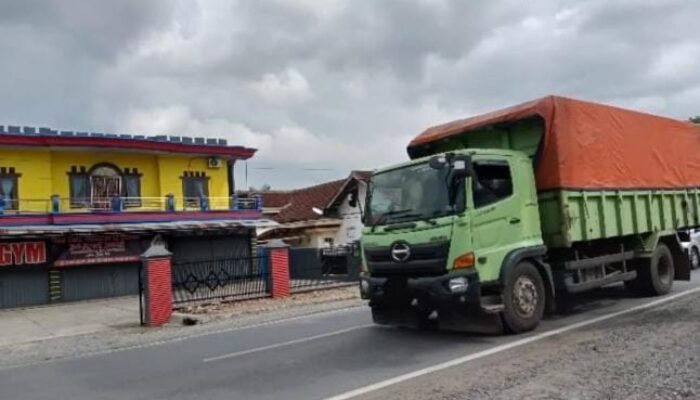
78 210
49 171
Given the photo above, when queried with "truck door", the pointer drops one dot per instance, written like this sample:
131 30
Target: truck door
495 215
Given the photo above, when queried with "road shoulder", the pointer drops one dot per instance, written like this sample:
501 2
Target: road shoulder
218 318
650 354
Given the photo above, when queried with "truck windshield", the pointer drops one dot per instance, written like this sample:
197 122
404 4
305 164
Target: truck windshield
411 193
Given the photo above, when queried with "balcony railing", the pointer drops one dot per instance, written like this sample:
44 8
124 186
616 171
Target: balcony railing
61 205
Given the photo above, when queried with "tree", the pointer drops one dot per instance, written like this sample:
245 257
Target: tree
695 119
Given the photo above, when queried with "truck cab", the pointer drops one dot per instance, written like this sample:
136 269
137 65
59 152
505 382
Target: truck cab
454 234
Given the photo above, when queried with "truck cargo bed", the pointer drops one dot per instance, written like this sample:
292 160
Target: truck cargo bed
570 216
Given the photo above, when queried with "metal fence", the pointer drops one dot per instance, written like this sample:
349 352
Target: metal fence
222 279
230 279
311 269
118 204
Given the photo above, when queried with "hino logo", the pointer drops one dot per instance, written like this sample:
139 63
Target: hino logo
400 252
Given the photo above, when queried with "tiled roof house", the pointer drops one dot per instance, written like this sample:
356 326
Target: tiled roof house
316 216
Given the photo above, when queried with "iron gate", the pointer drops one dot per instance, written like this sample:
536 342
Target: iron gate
312 268
220 279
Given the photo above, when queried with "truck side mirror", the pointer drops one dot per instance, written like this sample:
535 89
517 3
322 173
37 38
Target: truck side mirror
462 166
438 162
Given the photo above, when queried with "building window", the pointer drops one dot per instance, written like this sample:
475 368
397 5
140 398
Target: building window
8 188
96 187
195 185
79 187
131 188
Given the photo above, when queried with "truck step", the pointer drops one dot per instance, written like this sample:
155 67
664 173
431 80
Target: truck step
580 287
492 308
595 262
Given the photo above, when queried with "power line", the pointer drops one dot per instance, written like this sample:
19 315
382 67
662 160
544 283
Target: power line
299 169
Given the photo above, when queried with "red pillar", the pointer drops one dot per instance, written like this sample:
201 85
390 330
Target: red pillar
158 290
279 276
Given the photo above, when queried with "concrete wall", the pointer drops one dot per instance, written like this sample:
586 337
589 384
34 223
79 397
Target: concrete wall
351 228
316 237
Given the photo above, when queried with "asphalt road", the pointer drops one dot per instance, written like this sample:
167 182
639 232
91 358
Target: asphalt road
314 357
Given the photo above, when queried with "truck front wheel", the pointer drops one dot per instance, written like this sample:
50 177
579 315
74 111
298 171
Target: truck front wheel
523 298
381 315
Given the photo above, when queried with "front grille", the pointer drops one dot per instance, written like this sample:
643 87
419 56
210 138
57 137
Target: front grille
425 259
424 251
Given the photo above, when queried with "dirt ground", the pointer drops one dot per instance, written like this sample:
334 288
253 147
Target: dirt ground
650 355
226 310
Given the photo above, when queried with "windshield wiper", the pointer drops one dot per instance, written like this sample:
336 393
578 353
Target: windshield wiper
383 217
428 219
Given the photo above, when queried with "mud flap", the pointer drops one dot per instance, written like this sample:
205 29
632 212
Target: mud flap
681 262
681 265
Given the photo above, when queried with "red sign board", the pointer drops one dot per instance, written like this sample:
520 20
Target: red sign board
22 253
97 249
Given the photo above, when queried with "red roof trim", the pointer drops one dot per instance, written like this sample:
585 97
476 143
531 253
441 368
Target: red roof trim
123 217
131 144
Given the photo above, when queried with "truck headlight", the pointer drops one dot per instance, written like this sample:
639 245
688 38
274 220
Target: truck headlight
458 285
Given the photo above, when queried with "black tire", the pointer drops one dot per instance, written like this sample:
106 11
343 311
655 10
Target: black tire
655 274
694 258
379 316
524 298
425 324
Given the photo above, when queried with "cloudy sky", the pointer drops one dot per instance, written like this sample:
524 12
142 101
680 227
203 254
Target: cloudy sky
324 86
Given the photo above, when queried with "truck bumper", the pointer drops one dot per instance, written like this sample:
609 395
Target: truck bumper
444 299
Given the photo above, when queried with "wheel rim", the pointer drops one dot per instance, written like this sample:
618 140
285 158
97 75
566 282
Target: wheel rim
663 268
694 258
525 297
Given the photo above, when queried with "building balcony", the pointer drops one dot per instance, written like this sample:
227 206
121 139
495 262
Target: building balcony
125 210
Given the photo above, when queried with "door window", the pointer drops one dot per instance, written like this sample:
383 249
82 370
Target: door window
492 183
105 183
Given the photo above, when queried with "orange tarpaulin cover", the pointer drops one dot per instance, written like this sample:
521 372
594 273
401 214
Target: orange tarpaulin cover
594 146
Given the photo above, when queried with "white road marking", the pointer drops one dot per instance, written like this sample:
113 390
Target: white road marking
181 338
503 347
288 343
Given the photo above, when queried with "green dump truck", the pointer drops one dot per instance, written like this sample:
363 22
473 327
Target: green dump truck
500 213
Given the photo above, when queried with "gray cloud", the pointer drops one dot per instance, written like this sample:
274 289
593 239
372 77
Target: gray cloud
333 85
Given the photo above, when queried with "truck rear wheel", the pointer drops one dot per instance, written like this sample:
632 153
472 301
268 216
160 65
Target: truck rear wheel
655 274
523 298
